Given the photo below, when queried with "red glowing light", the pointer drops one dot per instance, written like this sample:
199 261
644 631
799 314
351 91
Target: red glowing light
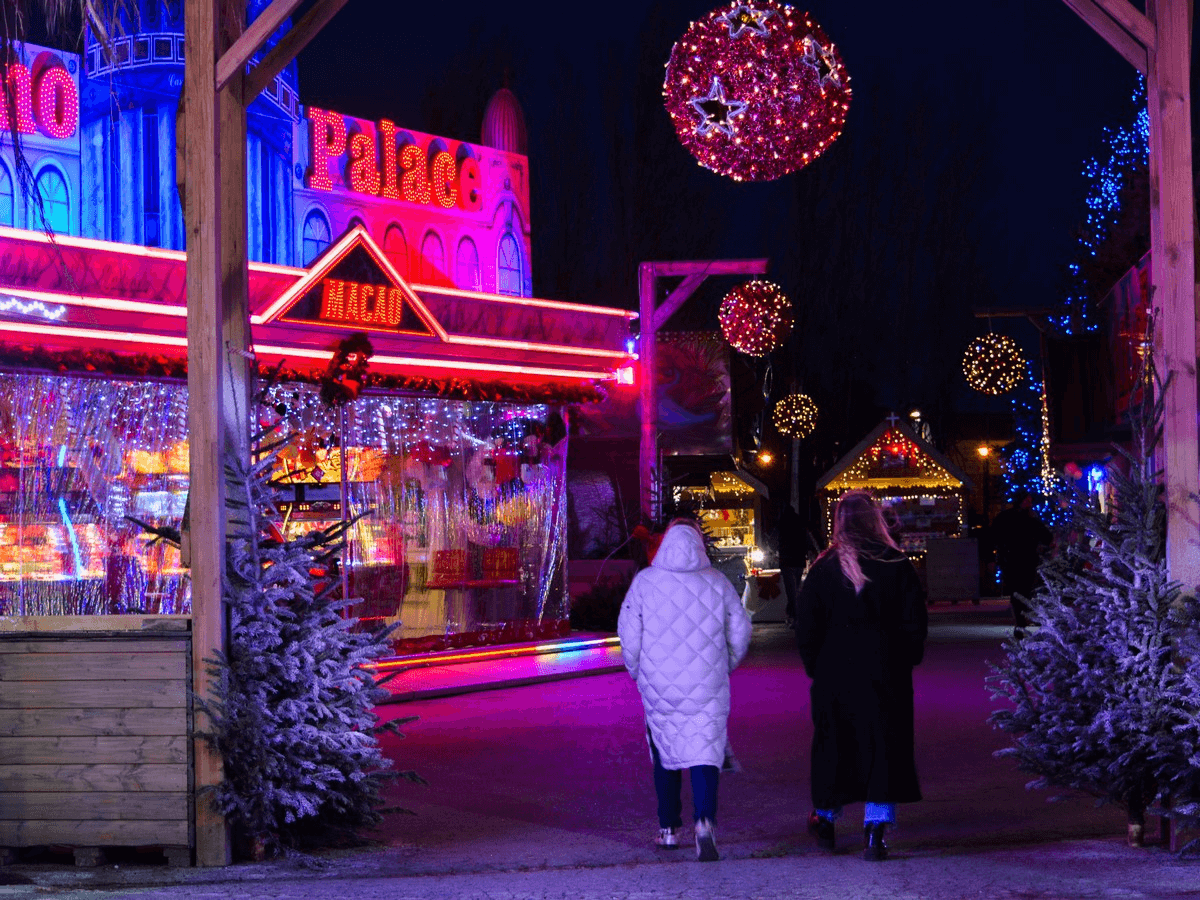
470 197
361 304
327 138
362 174
414 185
443 178
625 375
19 94
387 139
56 103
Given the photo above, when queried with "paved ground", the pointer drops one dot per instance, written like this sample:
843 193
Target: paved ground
544 791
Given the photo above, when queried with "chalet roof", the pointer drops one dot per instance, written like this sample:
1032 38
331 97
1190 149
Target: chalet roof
870 465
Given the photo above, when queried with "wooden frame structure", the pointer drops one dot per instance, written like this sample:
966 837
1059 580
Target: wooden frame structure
1158 44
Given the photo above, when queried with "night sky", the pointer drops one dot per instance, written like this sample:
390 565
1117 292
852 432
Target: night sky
957 183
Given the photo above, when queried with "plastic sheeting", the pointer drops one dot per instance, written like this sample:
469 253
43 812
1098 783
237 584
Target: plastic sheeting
462 541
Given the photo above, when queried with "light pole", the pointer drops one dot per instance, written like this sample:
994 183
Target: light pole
985 453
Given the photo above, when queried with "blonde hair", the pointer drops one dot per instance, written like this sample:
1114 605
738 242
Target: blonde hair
857 523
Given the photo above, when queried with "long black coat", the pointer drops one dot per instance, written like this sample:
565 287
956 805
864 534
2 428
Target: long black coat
859 650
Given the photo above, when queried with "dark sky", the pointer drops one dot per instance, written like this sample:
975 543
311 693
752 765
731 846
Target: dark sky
966 137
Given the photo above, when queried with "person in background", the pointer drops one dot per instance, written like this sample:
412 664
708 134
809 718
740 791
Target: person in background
683 630
1020 539
860 628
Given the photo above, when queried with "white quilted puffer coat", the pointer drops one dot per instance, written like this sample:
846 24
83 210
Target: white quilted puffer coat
683 630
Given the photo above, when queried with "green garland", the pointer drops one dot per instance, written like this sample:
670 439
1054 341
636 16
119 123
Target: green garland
156 365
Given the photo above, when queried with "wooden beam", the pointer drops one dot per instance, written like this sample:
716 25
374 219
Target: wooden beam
676 299
236 58
709 267
289 46
1131 20
202 213
1172 274
1134 52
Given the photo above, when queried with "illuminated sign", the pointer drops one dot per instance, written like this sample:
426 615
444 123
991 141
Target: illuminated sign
47 101
378 165
361 304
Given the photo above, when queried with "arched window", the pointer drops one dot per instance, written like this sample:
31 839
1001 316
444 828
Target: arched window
56 208
396 248
509 278
433 258
316 235
6 197
467 265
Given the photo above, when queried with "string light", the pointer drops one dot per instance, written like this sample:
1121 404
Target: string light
756 90
993 364
796 416
755 317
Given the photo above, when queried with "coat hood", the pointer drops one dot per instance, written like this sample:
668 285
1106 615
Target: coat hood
681 550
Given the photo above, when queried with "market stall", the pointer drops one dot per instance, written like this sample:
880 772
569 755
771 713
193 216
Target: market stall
924 499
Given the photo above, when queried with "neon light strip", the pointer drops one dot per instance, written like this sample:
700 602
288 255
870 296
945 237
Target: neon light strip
462 367
94 334
62 508
501 653
39 237
526 301
141 306
10 302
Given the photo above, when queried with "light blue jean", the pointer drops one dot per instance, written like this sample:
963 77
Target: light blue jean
872 813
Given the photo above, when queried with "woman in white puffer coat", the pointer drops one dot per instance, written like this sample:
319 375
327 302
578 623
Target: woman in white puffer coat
683 630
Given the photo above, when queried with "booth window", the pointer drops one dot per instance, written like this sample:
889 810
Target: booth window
468 265
509 277
6 196
433 258
396 248
52 188
316 235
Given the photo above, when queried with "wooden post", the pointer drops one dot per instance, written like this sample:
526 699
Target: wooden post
214 154
1158 43
652 317
1173 274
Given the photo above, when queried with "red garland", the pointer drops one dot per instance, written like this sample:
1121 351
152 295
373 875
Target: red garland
145 365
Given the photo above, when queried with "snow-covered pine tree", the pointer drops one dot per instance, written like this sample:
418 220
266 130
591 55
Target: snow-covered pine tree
1095 696
293 719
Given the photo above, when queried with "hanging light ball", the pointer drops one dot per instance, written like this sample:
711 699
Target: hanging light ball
755 317
756 90
993 364
796 416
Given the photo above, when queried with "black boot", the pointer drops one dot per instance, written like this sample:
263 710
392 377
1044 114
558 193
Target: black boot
822 829
874 848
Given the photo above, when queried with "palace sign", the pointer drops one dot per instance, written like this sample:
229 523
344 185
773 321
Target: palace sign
47 101
375 164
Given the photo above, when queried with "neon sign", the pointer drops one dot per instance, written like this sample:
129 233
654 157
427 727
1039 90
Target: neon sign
375 165
48 102
361 304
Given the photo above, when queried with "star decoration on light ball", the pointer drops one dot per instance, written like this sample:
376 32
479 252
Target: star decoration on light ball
755 317
993 364
781 69
745 18
796 416
716 111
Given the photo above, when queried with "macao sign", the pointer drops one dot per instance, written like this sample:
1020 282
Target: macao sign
47 102
376 166
361 304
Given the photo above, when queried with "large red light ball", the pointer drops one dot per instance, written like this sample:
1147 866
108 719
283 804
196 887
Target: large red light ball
755 317
756 90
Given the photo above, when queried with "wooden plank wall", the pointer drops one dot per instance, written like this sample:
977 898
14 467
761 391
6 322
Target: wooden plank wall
94 738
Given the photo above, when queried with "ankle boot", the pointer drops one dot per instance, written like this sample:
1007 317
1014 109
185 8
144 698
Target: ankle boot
822 829
874 848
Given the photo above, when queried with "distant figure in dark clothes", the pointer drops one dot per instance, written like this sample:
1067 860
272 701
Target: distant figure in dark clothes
1020 538
860 627
793 550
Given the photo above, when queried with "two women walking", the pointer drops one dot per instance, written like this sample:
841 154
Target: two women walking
860 625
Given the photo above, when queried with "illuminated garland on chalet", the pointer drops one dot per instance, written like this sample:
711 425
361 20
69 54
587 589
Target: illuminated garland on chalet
146 365
895 461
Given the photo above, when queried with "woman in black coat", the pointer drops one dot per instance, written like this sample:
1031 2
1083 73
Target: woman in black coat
860 627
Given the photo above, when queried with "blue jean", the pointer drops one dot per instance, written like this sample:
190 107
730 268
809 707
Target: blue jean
668 785
872 813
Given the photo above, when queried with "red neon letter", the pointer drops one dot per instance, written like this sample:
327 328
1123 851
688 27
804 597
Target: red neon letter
354 302
332 303
415 183
470 197
327 140
56 103
19 94
363 176
395 306
445 181
387 157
